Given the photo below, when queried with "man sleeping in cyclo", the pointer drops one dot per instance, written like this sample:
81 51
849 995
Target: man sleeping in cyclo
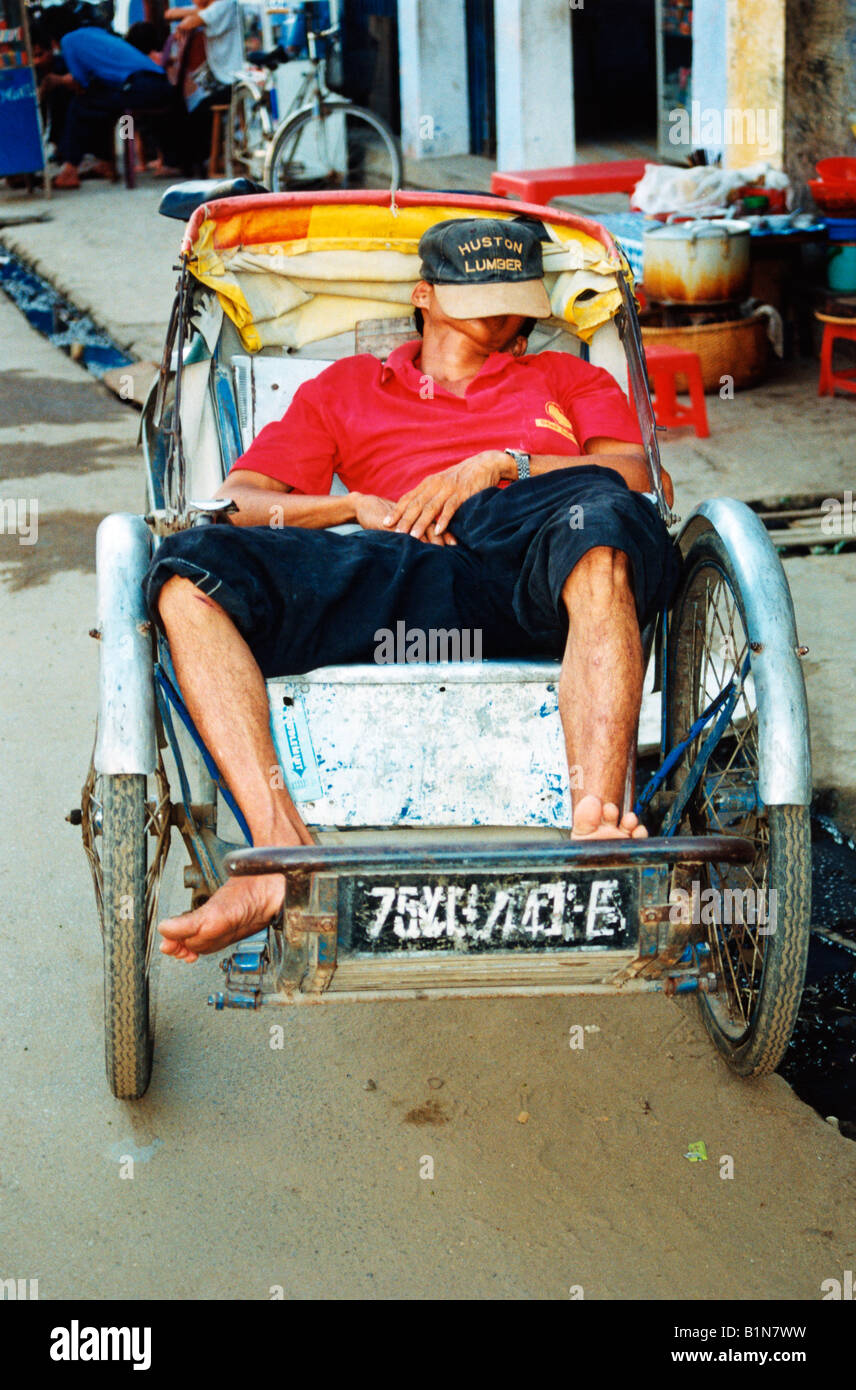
498 493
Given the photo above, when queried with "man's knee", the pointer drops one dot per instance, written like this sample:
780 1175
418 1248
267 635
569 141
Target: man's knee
179 596
599 579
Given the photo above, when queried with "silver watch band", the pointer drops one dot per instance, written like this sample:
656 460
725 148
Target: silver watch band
521 458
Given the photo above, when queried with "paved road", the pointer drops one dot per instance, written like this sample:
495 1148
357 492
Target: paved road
257 1169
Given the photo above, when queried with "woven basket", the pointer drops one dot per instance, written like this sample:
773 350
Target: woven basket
739 349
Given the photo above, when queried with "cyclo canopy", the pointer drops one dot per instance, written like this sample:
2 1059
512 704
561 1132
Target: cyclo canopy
293 269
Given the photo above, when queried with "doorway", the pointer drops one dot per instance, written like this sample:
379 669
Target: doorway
481 74
615 73
370 35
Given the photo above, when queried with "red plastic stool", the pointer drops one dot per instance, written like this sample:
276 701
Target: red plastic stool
845 378
665 364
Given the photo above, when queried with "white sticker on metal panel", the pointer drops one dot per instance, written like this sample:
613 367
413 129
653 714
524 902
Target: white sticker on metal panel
293 743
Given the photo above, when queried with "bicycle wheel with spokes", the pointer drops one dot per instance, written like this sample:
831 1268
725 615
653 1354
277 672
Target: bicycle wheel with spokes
249 131
337 146
117 821
753 919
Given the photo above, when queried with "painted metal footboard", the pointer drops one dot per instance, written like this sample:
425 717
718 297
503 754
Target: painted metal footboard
430 743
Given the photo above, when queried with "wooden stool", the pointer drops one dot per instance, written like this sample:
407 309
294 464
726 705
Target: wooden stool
216 140
665 364
845 378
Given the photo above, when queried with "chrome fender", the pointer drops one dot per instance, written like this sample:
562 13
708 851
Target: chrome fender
127 736
783 729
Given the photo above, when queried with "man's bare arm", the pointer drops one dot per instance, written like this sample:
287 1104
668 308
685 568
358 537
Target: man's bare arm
437 497
629 460
263 501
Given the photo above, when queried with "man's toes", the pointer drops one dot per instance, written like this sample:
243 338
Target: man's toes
634 827
238 908
179 932
176 930
610 813
177 950
587 815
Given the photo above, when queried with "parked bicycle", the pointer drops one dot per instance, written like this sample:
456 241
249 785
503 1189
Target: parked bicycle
324 140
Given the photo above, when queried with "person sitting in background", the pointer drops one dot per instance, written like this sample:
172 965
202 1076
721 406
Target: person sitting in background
49 68
210 83
108 76
166 134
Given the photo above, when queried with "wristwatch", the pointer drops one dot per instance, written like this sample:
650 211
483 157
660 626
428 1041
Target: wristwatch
522 461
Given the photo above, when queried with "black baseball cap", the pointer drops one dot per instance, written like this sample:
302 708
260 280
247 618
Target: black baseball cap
482 266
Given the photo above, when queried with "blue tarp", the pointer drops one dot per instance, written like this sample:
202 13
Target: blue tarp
20 130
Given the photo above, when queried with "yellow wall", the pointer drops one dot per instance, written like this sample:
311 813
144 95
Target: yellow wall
756 81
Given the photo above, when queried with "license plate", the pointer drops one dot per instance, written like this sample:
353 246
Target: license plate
482 912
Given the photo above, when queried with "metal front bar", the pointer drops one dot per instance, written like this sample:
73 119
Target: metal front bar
409 996
504 856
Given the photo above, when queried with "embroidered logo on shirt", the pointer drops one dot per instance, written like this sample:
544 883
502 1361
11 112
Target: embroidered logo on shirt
558 421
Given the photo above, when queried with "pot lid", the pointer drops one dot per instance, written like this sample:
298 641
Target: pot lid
702 227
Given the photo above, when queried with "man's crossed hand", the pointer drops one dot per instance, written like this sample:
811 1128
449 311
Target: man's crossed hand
425 511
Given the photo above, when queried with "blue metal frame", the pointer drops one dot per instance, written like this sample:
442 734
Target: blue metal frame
168 694
723 703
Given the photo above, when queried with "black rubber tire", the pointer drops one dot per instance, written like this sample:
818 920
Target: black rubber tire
761 1050
278 183
783 861
127 1026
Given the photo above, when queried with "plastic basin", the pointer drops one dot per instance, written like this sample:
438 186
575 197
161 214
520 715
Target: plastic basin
839 167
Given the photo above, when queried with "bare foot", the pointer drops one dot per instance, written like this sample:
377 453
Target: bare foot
242 906
599 820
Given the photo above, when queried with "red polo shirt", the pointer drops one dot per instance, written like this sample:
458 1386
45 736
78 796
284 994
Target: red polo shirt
385 427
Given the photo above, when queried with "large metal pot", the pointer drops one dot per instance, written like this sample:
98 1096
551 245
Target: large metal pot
696 262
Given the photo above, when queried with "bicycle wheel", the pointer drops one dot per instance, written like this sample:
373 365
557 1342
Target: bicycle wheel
117 820
336 146
754 927
249 131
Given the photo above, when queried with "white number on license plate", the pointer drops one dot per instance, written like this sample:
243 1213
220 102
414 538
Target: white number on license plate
597 908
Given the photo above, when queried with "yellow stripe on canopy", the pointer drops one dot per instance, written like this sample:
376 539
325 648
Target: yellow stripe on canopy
295 275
